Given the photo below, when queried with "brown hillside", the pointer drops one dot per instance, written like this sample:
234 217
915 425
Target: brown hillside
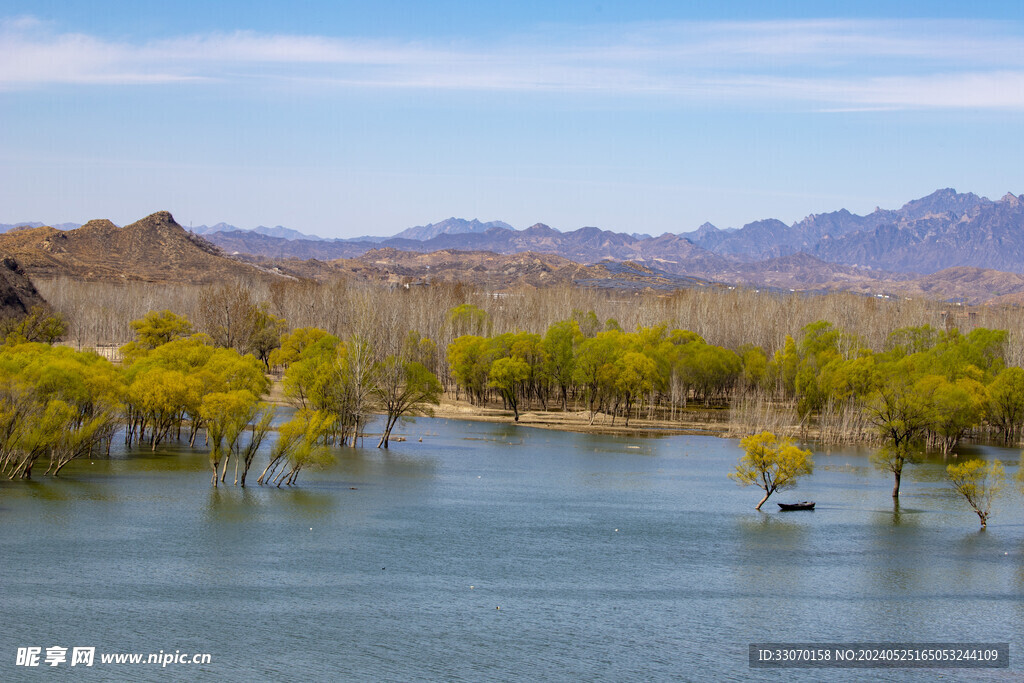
397 267
154 249
973 285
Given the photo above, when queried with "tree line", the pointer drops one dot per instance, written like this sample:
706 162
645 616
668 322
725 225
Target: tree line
927 389
939 385
99 313
918 387
58 404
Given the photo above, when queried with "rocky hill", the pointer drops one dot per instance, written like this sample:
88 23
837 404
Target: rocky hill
154 249
970 285
17 293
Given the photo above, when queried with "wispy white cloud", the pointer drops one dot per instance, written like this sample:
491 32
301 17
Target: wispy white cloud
827 64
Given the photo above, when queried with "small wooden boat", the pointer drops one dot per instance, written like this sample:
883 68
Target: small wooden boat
803 505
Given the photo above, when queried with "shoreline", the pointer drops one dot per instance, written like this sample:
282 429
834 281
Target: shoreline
578 421
700 421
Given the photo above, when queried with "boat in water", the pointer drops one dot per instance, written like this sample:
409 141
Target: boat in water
804 505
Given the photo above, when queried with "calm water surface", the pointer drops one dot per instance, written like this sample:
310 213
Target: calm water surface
610 559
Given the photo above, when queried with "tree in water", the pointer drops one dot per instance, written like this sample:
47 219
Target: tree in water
978 482
957 408
900 414
771 464
37 436
404 388
227 415
301 443
1006 403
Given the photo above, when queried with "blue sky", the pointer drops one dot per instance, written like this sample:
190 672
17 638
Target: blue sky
344 119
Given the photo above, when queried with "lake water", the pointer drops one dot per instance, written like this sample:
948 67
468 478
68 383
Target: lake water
609 558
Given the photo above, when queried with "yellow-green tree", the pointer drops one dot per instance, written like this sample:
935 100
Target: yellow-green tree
594 370
469 361
403 389
227 415
294 343
755 366
784 367
54 401
301 443
159 399
313 374
508 376
635 377
529 348
900 415
37 435
979 483
771 464
559 342
468 319
39 324
1006 403
159 327
956 407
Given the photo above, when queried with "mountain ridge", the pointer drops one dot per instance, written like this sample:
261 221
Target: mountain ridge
927 236
924 235
155 249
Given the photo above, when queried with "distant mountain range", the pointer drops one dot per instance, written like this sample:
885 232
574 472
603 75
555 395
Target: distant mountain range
886 248
277 231
157 249
450 226
943 230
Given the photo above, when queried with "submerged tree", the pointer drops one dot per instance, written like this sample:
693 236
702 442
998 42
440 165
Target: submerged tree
978 482
301 443
54 402
227 416
900 414
404 388
1006 403
771 464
